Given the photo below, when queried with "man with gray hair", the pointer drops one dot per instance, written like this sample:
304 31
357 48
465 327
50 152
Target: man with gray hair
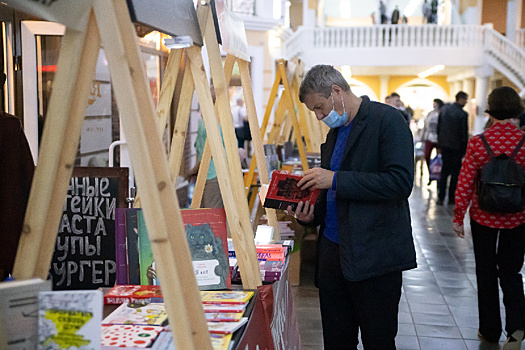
365 237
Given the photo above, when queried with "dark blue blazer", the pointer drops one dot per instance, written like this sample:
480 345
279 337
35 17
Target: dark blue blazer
372 190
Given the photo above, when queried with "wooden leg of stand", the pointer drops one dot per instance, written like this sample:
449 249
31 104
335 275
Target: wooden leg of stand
161 209
57 153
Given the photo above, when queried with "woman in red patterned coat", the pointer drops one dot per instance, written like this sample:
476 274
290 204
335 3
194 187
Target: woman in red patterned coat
498 239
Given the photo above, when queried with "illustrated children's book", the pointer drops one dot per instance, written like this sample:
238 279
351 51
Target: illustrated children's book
283 191
136 336
226 327
225 297
153 314
206 233
18 313
69 319
121 255
133 294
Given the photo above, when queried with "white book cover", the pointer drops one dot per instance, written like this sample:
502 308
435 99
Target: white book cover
19 313
70 320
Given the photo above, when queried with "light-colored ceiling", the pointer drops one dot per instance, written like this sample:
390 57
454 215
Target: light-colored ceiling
403 70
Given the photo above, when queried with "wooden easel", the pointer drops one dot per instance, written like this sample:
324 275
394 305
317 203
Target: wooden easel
286 106
256 139
110 24
229 171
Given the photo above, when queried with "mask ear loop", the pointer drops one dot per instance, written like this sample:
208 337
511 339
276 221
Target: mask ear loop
343 102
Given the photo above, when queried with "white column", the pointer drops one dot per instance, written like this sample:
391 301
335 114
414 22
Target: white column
483 75
383 87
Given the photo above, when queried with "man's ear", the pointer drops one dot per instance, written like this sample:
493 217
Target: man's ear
336 89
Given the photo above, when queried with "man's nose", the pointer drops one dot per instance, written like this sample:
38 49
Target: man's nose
319 115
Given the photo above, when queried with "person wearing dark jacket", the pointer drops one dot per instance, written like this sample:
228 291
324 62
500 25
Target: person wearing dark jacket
452 130
365 240
16 174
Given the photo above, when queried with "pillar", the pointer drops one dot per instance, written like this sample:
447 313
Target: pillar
483 74
383 87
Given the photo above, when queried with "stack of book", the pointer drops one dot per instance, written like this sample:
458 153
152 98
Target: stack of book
145 324
272 260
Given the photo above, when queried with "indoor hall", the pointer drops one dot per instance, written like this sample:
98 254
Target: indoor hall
438 308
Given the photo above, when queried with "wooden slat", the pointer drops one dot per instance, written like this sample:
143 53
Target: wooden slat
181 124
242 235
264 125
287 95
165 98
257 142
56 161
243 238
161 209
206 154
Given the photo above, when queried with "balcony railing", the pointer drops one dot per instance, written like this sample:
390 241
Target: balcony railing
520 38
384 36
503 54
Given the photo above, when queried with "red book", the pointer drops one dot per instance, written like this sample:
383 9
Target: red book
133 294
283 191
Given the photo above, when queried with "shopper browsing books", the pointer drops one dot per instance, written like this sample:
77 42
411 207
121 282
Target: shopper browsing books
366 176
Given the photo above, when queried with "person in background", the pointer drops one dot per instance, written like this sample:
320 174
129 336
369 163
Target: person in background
434 11
426 12
498 239
395 16
365 239
16 174
452 132
382 12
211 196
239 117
430 136
395 101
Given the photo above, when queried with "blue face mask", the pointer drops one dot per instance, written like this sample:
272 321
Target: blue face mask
334 119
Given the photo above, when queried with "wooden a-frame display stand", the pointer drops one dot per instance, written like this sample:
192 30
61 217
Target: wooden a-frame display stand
305 125
109 23
256 139
229 173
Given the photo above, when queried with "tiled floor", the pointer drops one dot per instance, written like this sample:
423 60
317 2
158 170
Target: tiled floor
438 308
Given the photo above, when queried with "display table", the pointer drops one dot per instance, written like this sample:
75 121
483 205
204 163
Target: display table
273 323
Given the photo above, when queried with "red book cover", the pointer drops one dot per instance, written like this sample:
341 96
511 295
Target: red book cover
283 191
133 294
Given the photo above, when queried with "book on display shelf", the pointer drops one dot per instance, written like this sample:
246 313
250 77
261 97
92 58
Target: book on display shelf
283 192
121 255
18 313
152 314
226 297
136 294
69 319
119 336
226 327
206 232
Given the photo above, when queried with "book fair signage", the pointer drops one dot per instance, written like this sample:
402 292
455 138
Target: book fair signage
84 256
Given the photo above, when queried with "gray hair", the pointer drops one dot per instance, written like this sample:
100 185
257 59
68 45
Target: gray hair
319 79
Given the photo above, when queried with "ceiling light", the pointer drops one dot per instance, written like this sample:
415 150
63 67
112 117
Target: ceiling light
430 71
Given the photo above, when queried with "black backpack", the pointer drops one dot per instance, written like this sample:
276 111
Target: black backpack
501 187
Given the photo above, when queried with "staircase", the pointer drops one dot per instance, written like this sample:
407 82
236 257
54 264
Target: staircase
409 45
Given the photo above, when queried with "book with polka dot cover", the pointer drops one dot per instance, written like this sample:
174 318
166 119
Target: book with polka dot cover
129 336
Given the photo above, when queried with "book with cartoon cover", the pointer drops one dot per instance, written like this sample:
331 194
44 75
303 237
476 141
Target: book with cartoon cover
153 314
69 319
225 297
